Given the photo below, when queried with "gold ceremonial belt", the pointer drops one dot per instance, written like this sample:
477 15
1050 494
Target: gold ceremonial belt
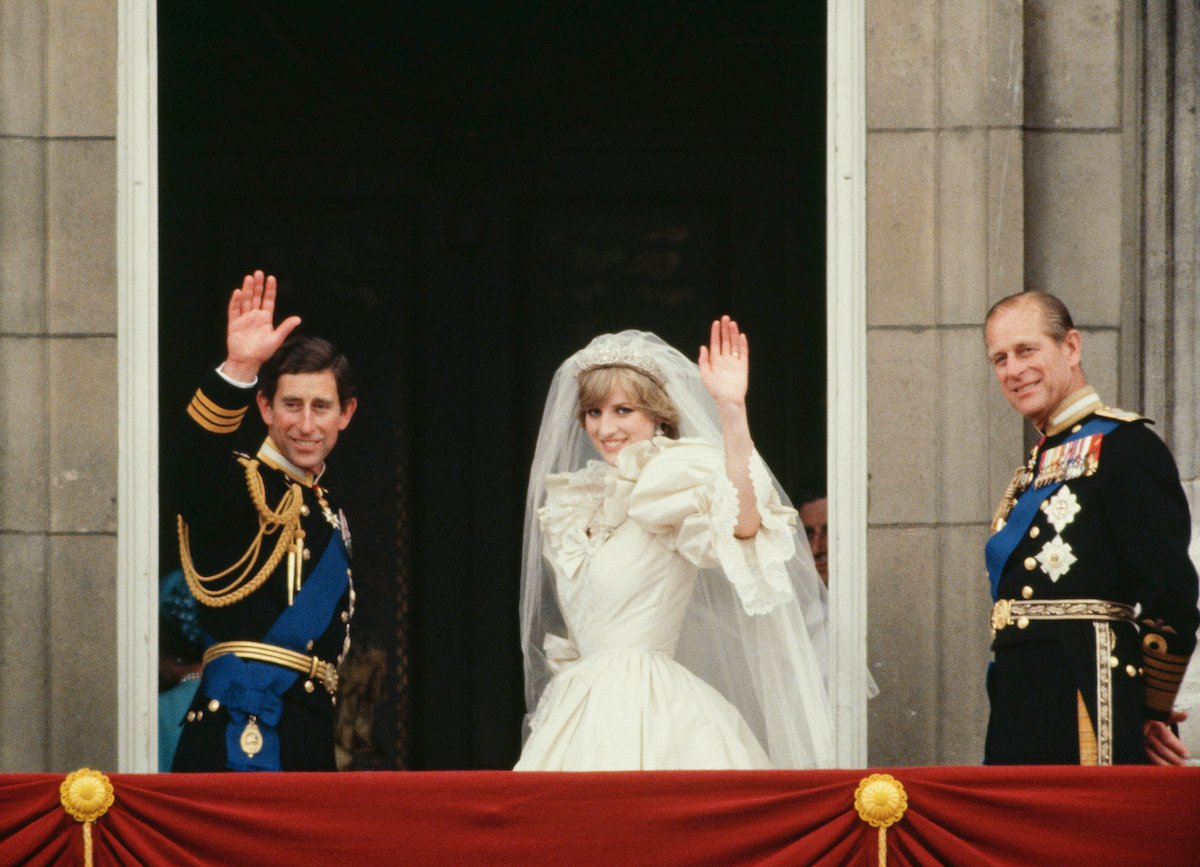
1006 612
281 656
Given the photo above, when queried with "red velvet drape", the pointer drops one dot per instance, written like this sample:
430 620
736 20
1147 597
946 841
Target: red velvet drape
956 815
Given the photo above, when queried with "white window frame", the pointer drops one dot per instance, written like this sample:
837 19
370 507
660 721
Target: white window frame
137 370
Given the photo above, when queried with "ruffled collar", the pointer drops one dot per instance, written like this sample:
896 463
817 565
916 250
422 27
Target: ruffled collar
585 506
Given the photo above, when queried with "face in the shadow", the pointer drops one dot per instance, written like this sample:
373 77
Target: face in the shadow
814 515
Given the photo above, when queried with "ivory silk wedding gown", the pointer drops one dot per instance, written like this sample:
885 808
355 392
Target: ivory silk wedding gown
625 544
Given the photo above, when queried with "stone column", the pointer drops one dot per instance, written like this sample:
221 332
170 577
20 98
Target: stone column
1082 150
58 388
945 215
1170 62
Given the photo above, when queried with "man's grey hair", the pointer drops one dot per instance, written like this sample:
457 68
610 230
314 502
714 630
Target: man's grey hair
1056 318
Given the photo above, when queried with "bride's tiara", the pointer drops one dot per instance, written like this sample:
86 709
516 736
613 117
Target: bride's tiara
612 355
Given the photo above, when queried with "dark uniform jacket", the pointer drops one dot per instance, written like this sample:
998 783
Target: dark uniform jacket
218 528
1116 530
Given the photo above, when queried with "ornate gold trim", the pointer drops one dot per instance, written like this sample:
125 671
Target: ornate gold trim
881 801
1105 646
213 418
86 795
284 520
310 666
1006 612
1163 673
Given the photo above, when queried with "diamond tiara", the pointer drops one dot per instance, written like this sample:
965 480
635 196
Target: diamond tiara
618 356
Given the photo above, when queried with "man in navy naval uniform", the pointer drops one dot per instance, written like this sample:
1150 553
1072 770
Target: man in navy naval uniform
263 549
1094 612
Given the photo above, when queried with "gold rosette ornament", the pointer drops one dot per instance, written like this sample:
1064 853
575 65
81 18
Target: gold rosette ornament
86 795
881 801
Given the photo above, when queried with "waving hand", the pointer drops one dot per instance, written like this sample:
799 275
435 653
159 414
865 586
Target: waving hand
725 370
251 336
725 363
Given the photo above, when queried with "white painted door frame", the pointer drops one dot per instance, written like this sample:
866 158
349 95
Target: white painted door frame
137 386
137 371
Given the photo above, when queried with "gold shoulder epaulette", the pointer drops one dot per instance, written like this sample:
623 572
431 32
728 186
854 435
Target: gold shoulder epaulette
1121 415
217 591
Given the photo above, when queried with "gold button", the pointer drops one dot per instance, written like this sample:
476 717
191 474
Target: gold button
1131 670
333 699
1022 622
199 715
1026 592
308 686
1113 662
1077 428
1141 671
304 510
309 646
305 554
214 705
1034 533
1030 563
348 573
345 617
353 596
191 717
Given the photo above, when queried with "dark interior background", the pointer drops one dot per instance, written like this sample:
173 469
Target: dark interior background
459 196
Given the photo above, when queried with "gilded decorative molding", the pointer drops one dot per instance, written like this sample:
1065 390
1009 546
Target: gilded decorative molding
86 795
881 801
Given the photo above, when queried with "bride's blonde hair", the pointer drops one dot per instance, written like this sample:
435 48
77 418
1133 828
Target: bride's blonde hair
597 383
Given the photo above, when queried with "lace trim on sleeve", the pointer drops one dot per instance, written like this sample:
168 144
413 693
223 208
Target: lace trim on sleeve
757 566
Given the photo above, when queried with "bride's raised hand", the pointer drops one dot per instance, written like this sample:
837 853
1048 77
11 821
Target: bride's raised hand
725 362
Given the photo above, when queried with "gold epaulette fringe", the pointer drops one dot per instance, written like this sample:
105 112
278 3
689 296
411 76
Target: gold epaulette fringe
1121 415
284 520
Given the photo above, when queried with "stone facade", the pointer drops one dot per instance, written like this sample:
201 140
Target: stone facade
1006 148
58 419
1010 144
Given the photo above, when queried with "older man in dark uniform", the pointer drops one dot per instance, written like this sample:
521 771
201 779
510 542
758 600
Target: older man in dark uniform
263 549
1094 610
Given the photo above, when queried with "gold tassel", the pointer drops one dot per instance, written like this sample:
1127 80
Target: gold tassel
86 795
881 801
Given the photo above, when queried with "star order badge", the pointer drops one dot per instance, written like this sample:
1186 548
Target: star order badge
1062 508
1056 558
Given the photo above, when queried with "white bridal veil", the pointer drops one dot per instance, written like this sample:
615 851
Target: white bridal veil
771 664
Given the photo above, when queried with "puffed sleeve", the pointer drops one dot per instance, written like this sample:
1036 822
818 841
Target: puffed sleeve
682 495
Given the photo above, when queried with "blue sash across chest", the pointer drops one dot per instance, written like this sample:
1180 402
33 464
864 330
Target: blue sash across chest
248 687
1003 542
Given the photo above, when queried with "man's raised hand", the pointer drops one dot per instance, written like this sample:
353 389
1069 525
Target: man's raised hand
251 336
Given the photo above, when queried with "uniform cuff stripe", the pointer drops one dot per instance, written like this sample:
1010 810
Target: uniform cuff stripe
214 410
211 426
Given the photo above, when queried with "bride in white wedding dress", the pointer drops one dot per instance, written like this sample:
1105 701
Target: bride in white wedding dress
671 615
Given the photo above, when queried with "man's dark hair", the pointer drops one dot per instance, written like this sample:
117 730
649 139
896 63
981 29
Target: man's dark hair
1055 317
302 353
808 495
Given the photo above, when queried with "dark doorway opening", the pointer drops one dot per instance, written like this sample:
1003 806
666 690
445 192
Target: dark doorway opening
459 196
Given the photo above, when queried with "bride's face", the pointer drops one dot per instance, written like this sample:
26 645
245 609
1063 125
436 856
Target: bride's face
616 423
